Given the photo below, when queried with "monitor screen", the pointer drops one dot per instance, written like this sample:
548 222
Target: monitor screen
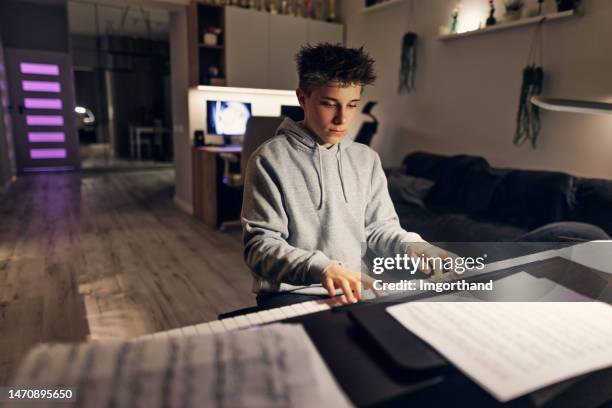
227 117
294 113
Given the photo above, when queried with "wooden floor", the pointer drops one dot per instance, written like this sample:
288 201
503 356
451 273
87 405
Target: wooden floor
108 254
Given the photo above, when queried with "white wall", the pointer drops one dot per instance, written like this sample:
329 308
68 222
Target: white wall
179 83
468 89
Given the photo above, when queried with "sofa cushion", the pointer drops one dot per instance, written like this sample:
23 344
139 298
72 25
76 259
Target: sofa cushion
566 231
471 228
409 190
423 165
534 198
463 183
594 203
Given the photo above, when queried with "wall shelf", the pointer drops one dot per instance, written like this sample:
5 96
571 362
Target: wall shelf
380 6
572 105
511 24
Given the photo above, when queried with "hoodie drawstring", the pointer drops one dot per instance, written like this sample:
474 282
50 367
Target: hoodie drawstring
342 173
320 174
322 177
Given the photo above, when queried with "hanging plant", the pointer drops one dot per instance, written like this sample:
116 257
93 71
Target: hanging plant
528 115
409 63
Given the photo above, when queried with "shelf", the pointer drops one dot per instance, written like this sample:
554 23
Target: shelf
380 6
511 24
572 105
214 47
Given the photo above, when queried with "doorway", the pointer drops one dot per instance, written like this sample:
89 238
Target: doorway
121 74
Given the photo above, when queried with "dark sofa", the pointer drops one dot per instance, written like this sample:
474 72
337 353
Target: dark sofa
463 199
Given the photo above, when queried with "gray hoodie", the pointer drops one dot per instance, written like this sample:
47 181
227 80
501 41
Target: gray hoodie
306 206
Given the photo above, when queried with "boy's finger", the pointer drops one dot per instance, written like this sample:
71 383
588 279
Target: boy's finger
348 292
328 283
357 286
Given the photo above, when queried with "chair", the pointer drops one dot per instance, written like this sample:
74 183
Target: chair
258 130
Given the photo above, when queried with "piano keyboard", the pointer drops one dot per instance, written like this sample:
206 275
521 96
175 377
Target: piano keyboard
248 320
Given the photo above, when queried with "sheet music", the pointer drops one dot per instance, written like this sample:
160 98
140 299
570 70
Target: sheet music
274 366
511 349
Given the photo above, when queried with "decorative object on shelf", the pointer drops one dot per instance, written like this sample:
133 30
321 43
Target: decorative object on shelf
331 13
318 12
291 10
528 116
284 7
309 11
252 5
272 8
514 9
211 37
491 21
409 63
299 8
540 4
455 18
213 71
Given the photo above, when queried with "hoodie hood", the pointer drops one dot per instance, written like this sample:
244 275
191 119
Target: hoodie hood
302 138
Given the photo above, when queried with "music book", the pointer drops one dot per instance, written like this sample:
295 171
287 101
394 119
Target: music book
272 366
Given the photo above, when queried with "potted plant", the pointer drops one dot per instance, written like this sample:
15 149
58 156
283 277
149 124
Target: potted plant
514 9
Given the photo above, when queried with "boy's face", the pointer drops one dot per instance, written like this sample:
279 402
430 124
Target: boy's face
329 110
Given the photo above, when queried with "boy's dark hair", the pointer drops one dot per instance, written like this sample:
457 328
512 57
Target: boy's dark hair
325 62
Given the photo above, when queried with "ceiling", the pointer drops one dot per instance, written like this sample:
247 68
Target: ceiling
132 18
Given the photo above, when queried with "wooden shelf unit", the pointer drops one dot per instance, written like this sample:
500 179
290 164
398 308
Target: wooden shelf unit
203 56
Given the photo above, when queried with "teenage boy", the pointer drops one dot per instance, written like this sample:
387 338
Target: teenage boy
312 197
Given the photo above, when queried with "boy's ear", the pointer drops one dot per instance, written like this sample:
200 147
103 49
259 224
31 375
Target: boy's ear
300 96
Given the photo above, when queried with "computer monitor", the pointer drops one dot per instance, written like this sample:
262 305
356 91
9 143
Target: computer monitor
295 113
227 118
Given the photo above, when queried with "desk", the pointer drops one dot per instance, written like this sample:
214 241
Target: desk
136 139
213 201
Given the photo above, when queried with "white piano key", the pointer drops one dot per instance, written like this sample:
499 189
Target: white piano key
217 327
189 331
229 324
254 319
277 314
289 311
160 335
203 328
174 333
310 306
322 305
300 309
266 316
242 322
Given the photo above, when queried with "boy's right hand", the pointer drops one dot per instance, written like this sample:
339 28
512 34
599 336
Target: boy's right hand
338 276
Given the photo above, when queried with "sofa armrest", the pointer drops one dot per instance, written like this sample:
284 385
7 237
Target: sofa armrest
394 171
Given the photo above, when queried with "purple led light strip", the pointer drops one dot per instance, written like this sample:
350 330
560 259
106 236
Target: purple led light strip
41 103
39 69
46 137
48 153
44 120
41 86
